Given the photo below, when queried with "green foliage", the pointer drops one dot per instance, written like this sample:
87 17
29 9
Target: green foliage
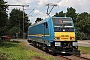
16 20
19 51
38 19
16 17
79 16
3 56
83 25
71 12
3 16
13 30
60 14
81 36
84 50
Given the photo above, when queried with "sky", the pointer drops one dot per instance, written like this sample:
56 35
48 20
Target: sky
37 8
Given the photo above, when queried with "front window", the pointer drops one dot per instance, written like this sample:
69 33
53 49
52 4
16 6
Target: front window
63 24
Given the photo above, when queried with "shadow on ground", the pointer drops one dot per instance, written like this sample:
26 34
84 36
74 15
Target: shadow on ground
7 44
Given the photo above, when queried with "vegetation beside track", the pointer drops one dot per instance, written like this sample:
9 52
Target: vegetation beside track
84 50
19 51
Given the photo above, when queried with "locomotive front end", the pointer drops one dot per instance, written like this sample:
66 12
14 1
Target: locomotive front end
64 35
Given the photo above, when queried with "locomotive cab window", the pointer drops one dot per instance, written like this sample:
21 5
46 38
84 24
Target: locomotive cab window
61 24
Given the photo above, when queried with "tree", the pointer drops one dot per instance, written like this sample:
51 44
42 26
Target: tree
79 16
38 19
3 16
16 20
60 14
71 12
83 25
13 31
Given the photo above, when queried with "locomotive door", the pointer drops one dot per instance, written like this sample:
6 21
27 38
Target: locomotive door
43 30
45 25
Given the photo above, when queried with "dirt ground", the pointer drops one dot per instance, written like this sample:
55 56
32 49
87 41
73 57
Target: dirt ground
84 41
86 55
36 58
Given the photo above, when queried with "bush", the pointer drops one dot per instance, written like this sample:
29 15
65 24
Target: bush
81 36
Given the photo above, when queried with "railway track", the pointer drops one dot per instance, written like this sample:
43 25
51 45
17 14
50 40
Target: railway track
71 57
67 57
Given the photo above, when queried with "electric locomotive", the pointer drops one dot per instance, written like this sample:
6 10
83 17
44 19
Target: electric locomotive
54 34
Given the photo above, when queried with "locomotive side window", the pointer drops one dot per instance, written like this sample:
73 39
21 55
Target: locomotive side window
46 24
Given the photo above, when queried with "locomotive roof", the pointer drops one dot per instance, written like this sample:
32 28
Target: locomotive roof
63 17
44 20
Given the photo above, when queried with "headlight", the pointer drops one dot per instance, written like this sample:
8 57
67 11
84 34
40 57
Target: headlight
72 38
56 38
57 44
75 44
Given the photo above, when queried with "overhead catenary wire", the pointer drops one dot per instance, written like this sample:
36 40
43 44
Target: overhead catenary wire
31 11
41 11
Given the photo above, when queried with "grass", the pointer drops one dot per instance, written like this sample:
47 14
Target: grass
84 50
19 51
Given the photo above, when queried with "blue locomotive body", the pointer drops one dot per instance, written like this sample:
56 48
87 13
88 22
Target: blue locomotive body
42 31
